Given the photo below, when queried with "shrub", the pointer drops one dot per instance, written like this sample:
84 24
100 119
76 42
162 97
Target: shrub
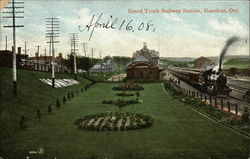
72 94
58 104
69 96
38 113
22 122
64 99
137 94
128 87
107 102
49 109
245 115
125 94
121 103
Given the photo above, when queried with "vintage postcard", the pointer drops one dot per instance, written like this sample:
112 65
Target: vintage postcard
126 79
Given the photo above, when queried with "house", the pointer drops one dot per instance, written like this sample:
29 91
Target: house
203 63
43 63
6 58
103 67
144 65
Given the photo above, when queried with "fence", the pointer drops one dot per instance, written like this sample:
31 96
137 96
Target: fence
218 102
45 68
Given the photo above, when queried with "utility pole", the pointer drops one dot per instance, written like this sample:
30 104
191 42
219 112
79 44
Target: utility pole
92 63
37 57
101 63
85 47
12 15
110 67
45 54
74 50
6 43
52 32
25 51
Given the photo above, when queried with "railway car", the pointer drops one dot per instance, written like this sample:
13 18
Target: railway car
212 81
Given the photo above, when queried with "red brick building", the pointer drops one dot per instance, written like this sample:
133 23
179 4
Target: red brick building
144 65
6 57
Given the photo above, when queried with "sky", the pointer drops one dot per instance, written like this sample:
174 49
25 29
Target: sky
172 33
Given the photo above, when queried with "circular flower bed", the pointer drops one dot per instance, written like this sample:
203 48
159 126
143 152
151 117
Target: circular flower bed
121 103
125 94
114 121
128 87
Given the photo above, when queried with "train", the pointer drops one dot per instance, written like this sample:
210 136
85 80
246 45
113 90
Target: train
212 81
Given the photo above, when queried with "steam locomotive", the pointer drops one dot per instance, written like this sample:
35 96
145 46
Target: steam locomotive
212 81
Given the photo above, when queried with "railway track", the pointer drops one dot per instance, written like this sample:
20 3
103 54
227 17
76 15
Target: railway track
242 89
232 99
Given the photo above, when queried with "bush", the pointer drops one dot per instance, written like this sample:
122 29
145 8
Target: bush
69 96
58 104
121 103
38 113
72 94
22 122
245 115
49 109
128 87
107 102
64 99
125 94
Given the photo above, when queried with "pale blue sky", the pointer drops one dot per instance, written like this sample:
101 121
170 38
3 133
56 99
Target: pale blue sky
176 35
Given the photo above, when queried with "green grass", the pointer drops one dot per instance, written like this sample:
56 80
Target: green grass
237 62
32 95
177 132
175 63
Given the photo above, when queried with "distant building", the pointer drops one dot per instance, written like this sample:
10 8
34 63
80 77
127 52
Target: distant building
144 65
44 62
203 63
150 55
102 67
45 59
6 57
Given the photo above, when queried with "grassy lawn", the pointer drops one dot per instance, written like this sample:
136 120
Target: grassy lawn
177 132
32 95
237 62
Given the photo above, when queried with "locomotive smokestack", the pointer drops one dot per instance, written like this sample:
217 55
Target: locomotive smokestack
224 50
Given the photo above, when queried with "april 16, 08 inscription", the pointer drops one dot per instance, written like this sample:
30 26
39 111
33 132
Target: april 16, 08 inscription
97 22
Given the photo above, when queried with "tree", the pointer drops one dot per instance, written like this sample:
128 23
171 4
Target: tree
84 63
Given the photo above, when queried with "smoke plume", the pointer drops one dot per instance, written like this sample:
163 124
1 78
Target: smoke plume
230 41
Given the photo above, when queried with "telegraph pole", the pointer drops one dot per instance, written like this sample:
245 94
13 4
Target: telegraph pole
52 32
92 63
25 51
12 15
74 44
101 63
110 69
45 54
6 43
85 47
37 58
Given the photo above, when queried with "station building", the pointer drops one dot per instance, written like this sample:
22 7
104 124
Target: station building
144 65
